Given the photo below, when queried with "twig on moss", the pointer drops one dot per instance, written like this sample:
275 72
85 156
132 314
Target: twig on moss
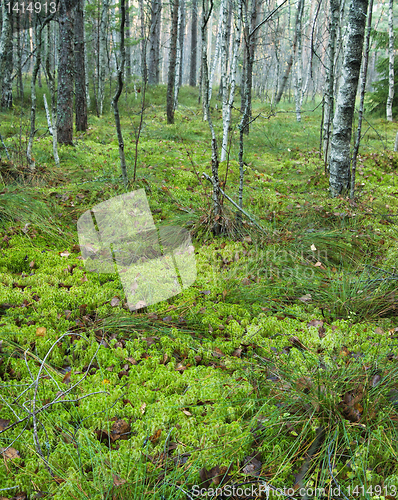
237 206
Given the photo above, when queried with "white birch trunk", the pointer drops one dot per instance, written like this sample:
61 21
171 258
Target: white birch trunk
298 81
339 166
102 54
228 104
390 60
178 62
217 48
330 77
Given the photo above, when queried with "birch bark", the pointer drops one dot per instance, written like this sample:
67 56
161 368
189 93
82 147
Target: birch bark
102 54
339 166
228 102
390 60
194 44
330 77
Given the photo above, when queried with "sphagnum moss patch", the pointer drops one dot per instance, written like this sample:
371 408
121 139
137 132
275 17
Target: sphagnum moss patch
279 353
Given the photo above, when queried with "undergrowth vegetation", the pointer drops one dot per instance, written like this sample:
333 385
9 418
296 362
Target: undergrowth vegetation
276 369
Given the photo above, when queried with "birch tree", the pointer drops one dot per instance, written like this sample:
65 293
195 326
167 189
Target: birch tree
334 18
228 101
217 47
5 37
102 54
339 166
390 60
194 44
180 51
298 81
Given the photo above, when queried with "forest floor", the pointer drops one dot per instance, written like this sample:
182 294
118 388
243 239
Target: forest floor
275 372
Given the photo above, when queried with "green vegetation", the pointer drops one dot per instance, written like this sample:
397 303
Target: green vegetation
278 365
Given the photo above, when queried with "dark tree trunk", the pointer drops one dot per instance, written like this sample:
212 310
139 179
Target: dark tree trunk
119 89
154 42
80 71
65 74
194 44
172 62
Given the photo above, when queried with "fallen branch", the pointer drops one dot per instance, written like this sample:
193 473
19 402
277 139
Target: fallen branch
237 206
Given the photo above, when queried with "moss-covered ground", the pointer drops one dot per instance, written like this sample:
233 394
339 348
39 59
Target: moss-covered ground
276 368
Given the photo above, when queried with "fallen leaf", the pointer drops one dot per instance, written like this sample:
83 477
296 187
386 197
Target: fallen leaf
155 437
187 413
10 453
117 481
120 430
4 424
66 379
41 331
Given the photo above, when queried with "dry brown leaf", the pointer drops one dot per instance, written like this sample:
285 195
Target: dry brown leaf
10 453
41 331
66 379
155 437
117 481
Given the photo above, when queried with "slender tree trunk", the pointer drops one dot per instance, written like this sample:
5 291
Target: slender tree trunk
103 29
339 167
390 60
50 73
289 62
217 49
330 77
115 100
194 44
172 61
181 39
80 70
5 37
229 103
364 74
144 67
19 59
227 36
206 13
180 47
298 81
128 37
154 42
65 74
6 98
